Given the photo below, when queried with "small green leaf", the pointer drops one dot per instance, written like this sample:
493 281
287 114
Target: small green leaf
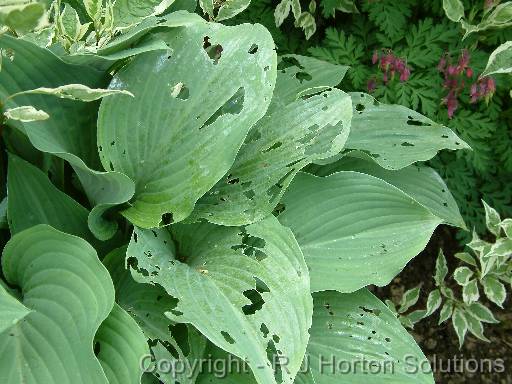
409 299
482 313
462 275
446 312
26 113
470 292
494 290
434 301
460 325
441 269
282 11
307 22
454 9
467 258
492 219
74 92
475 327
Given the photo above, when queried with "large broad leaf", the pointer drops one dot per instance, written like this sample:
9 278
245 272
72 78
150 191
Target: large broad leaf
396 136
278 147
354 229
421 183
191 113
247 290
356 339
12 310
69 293
147 304
70 132
120 345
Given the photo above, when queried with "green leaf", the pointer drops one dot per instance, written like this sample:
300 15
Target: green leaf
354 229
462 275
441 269
409 299
176 153
494 290
350 327
69 293
282 11
446 312
470 293
500 60
207 7
231 8
277 148
329 7
460 325
12 310
235 287
454 9
467 258
25 114
434 301
500 17
74 92
396 136
307 22
70 132
121 345
3 213
492 219
482 313
129 12
22 16
93 8
475 327
506 225
421 183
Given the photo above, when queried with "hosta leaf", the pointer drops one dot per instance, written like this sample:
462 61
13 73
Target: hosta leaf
500 60
247 290
70 132
121 344
12 311
74 92
396 136
421 183
130 12
180 150
348 328
147 304
26 114
278 147
354 229
454 9
69 293
298 74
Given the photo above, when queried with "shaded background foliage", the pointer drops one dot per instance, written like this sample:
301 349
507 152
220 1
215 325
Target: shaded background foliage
419 33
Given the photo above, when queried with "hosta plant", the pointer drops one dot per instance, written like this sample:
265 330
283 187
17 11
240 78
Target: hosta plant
176 192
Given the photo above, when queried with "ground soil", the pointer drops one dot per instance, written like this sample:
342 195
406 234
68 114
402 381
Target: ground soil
439 342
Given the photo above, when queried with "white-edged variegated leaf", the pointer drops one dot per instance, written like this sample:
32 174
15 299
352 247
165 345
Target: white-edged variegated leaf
131 12
470 292
74 92
277 147
421 183
348 328
354 229
475 327
231 8
396 136
176 153
446 312
492 219
246 289
454 9
462 275
460 324
434 301
409 299
441 269
482 313
500 60
494 290
26 114
69 293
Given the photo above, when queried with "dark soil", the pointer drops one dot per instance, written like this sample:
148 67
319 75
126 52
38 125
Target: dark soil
439 342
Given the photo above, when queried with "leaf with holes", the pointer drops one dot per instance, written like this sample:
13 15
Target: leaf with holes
246 289
278 147
354 229
186 144
396 136
69 294
350 327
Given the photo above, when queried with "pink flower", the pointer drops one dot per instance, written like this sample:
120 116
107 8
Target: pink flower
375 57
372 85
442 64
469 72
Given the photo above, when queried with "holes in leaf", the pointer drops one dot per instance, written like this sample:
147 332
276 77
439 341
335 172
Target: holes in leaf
287 62
280 208
275 361
407 144
256 302
264 330
360 107
253 49
227 337
135 237
180 333
444 136
233 106
111 166
273 146
176 312
112 143
167 219
180 91
214 51
412 121
303 76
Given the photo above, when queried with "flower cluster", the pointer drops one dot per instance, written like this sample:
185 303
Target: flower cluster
484 88
454 79
390 65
